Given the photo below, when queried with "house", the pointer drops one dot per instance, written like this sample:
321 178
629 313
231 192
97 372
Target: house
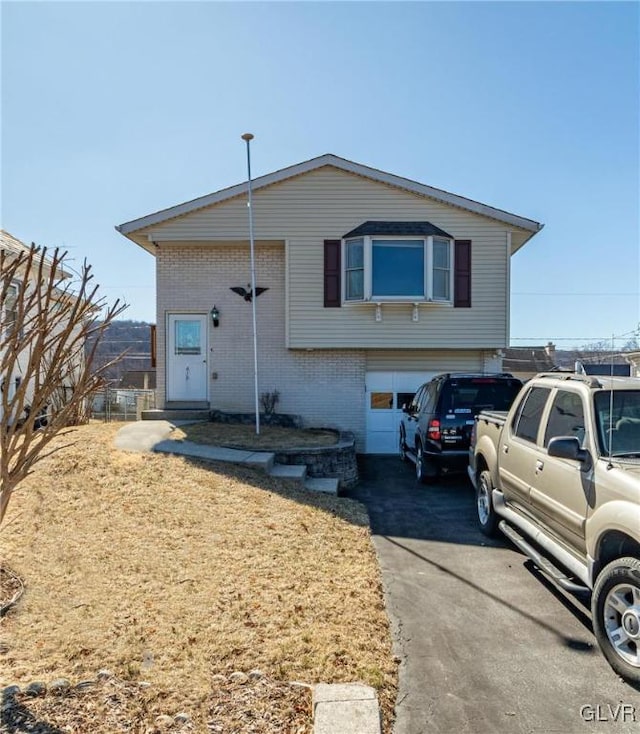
633 359
373 283
526 362
15 366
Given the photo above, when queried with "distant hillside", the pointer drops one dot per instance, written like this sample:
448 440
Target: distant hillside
132 337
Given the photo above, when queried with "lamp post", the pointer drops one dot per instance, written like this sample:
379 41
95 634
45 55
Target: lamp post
247 137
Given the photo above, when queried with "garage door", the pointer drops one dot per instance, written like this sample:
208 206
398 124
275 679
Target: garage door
386 393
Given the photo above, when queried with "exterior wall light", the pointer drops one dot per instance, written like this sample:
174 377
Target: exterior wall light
215 316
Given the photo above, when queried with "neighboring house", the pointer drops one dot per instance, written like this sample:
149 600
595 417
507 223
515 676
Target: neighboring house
633 358
375 283
13 247
526 362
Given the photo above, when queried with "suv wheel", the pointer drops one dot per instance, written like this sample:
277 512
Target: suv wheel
402 447
487 518
615 605
425 469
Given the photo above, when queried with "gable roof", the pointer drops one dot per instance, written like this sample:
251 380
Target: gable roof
328 159
13 245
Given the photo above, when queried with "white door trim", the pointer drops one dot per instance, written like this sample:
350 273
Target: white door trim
195 366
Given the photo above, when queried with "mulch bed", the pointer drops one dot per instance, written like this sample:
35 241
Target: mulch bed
112 706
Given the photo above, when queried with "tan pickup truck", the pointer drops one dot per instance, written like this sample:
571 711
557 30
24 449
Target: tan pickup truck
559 475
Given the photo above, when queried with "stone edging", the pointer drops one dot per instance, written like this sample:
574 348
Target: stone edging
62 686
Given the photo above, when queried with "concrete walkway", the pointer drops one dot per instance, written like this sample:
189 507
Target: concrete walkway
154 436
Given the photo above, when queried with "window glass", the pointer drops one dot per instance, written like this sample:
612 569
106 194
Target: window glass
479 393
431 397
441 270
381 400
8 313
527 420
187 337
566 417
405 399
354 270
355 285
355 258
398 268
621 427
418 400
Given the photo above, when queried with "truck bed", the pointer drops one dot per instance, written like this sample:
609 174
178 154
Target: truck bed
498 417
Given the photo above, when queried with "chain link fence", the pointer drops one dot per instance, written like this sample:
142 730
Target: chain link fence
119 404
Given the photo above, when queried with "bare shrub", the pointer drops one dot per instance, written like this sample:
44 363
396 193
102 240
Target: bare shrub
47 380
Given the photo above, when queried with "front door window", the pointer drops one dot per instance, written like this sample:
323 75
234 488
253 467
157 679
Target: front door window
187 337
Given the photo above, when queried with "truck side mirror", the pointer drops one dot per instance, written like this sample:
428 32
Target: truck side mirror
567 447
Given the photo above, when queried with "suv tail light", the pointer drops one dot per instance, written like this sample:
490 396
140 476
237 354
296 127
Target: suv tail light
473 435
433 429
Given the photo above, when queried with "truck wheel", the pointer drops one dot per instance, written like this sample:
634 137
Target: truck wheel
402 447
425 470
487 518
615 606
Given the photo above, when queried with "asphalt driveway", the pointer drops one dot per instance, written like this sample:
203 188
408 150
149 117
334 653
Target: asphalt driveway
487 644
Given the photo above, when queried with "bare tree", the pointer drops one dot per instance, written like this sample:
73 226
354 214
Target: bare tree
46 375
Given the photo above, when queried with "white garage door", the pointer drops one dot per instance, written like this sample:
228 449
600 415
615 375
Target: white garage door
386 393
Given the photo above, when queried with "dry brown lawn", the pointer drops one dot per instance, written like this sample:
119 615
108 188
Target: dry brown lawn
174 573
270 438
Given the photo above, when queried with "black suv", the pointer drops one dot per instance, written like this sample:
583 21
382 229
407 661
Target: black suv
435 430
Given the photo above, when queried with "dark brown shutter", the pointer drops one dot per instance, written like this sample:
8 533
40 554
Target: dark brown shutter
332 266
462 274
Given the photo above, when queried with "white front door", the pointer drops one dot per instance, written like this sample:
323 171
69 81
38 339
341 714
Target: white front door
187 357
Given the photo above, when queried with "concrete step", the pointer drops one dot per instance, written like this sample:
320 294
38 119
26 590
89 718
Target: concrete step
261 460
322 484
155 414
297 472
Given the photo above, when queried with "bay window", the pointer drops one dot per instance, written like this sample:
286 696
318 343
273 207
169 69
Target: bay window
398 268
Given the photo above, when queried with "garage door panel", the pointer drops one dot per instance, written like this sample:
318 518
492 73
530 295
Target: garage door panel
386 393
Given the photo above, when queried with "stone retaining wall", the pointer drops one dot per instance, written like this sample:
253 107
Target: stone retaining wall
282 420
337 461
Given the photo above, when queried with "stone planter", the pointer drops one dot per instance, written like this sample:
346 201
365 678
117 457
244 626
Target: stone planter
337 461
248 419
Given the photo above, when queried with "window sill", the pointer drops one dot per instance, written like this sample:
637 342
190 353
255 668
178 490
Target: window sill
400 301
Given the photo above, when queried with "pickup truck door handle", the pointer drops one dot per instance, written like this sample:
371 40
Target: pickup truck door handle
539 465
505 449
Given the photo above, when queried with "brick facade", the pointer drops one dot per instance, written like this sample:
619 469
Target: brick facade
324 386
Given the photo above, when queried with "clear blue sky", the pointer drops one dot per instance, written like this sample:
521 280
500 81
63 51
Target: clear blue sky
113 110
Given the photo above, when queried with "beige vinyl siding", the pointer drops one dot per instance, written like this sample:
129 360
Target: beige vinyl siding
327 203
415 360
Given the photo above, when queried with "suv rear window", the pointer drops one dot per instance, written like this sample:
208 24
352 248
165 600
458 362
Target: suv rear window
478 393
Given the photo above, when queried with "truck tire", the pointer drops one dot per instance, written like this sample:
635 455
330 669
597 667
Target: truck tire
487 518
426 471
615 606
